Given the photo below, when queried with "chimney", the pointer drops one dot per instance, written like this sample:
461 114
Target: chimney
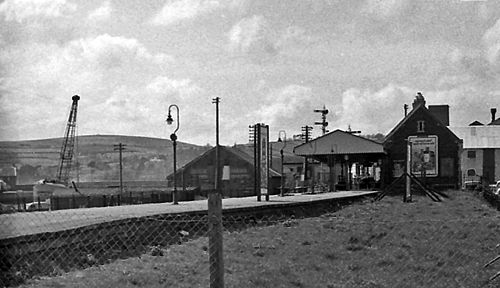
406 109
493 112
441 112
419 100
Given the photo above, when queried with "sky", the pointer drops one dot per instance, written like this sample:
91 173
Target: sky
270 62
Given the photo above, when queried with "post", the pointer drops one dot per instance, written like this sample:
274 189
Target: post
215 240
282 177
217 160
120 147
331 174
173 137
408 171
282 159
174 194
257 162
215 217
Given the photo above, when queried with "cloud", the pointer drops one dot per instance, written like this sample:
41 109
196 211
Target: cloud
491 41
24 10
256 38
39 80
367 110
288 107
101 13
249 33
108 51
180 10
384 8
379 111
178 88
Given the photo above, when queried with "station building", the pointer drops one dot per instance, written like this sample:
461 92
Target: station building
349 157
435 150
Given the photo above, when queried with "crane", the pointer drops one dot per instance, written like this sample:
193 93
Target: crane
59 185
68 145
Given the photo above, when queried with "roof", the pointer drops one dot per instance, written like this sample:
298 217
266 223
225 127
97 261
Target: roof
476 123
240 153
339 142
478 137
496 122
249 158
410 115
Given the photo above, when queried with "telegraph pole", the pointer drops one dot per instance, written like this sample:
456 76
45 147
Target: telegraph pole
120 147
215 217
306 135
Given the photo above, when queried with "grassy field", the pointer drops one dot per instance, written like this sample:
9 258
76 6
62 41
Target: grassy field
381 244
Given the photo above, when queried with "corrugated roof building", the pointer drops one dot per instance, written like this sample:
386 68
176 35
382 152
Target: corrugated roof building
481 152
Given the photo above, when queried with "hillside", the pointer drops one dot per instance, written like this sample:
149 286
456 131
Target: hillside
143 158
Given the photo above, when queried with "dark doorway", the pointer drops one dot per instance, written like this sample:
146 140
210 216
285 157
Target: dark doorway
489 165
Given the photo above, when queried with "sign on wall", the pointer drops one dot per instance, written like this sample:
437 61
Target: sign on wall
424 155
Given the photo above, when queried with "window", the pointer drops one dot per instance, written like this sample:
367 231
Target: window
471 154
421 126
471 172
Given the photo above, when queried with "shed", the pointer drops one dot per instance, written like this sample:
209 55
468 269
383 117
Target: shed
236 170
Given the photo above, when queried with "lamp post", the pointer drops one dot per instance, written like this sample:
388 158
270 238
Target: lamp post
282 157
173 137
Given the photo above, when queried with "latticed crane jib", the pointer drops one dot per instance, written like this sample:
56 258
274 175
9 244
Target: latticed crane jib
68 145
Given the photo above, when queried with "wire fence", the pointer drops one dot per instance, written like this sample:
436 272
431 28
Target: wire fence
328 243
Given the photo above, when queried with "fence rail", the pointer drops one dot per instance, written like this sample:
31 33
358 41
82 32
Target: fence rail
336 243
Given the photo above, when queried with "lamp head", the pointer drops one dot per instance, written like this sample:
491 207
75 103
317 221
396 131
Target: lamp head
169 119
279 140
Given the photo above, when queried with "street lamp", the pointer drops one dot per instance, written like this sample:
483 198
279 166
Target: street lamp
281 153
173 137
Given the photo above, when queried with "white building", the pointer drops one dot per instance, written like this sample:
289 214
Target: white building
481 151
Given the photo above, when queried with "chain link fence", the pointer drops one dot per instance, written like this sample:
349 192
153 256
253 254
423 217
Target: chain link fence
328 243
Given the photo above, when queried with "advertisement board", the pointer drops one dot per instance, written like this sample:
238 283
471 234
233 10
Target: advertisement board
264 158
424 155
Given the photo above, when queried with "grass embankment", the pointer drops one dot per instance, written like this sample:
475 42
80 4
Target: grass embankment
381 244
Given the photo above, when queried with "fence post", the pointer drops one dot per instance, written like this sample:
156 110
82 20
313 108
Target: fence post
215 240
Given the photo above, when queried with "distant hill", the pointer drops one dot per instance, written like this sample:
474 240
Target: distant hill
143 158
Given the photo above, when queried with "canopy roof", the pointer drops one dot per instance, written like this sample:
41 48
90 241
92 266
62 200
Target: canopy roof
339 142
